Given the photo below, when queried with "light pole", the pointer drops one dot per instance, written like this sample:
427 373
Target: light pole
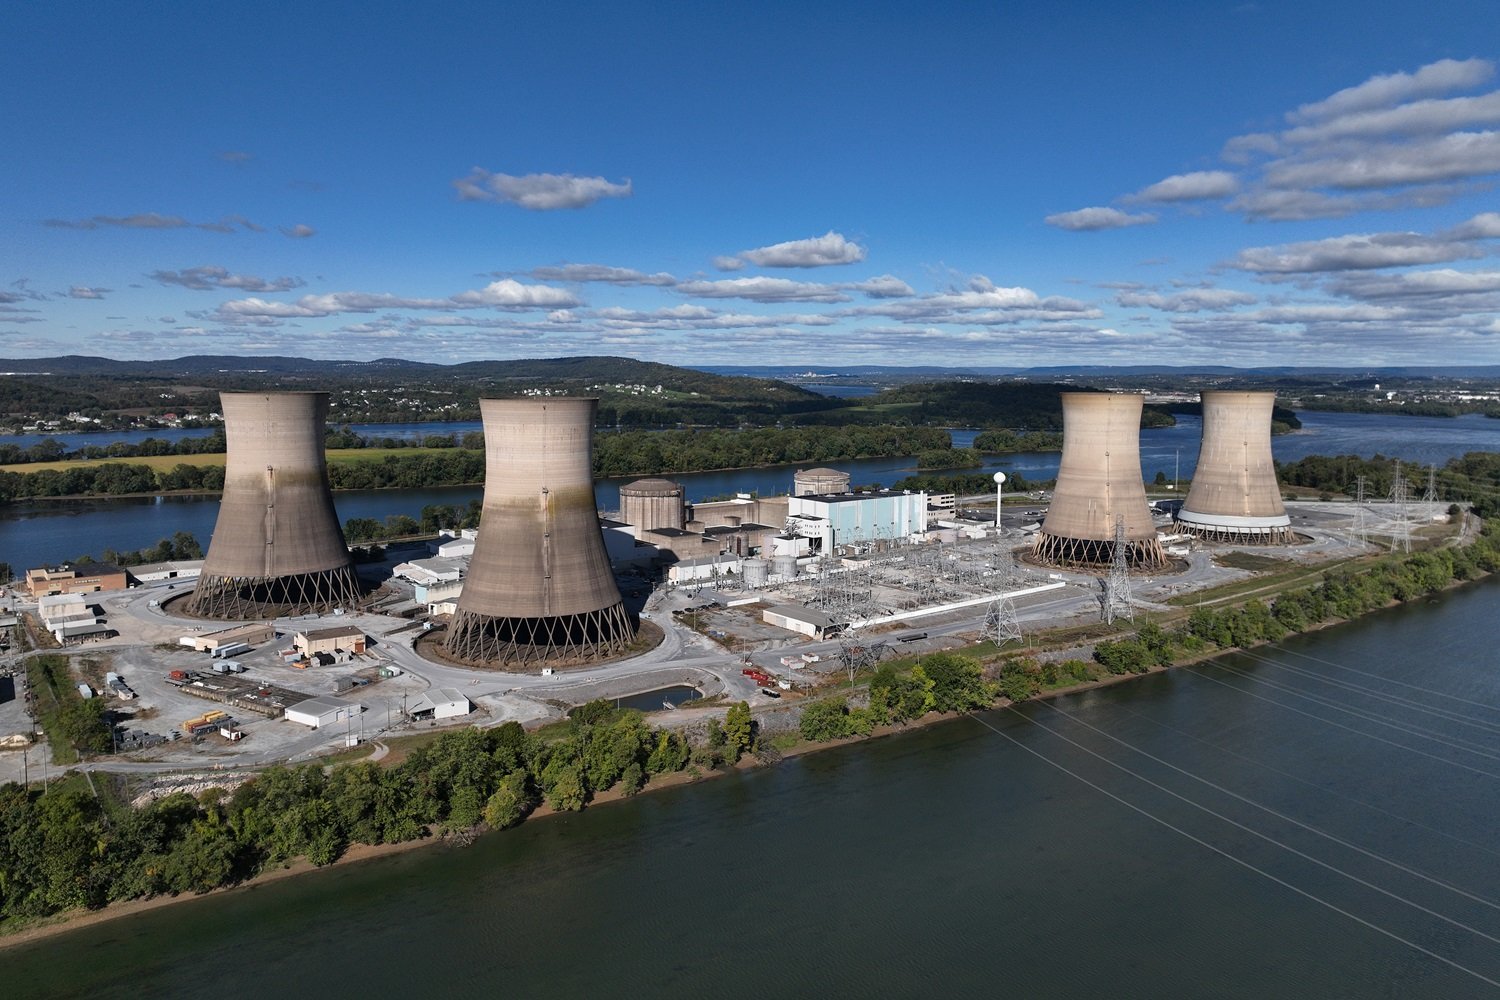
999 497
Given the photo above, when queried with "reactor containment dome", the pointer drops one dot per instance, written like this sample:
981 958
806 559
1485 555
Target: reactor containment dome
1099 486
277 547
540 589
1234 496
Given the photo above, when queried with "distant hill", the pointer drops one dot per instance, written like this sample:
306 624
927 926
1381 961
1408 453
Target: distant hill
803 371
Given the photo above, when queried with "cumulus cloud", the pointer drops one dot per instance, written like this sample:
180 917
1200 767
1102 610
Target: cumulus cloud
84 292
539 192
504 294
1441 283
508 293
1484 226
208 276
1376 165
1356 252
1266 204
819 251
1383 90
1195 186
1196 300
763 290
729 263
886 286
1087 219
300 231
602 273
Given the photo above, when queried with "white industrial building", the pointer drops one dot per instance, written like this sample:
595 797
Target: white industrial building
839 519
438 569
795 618
441 703
461 547
58 610
177 569
437 592
319 712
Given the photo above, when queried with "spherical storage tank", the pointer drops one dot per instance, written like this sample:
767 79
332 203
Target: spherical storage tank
648 504
1234 496
540 588
819 482
1099 486
277 548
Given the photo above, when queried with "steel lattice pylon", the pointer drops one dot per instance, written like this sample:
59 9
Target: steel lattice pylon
1115 601
1000 624
1401 534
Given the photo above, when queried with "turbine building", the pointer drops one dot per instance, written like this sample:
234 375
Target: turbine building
540 588
1234 496
1099 486
277 547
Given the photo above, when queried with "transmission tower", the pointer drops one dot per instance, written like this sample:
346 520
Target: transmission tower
1115 601
857 654
1360 528
1429 495
1401 533
1000 624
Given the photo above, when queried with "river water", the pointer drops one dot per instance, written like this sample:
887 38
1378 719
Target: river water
1312 821
51 530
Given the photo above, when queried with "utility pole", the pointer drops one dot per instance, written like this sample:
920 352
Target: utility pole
1359 509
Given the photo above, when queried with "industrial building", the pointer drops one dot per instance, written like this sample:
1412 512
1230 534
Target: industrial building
74 578
70 616
440 703
1099 486
319 712
649 504
845 519
540 587
1234 496
277 547
819 482
252 634
177 569
328 640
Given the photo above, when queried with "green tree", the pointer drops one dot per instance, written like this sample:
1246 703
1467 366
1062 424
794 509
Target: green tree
739 729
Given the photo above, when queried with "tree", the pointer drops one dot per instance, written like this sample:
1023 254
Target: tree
511 802
739 729
824 720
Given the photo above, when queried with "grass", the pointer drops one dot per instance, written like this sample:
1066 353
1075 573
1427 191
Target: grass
1252 562
47 677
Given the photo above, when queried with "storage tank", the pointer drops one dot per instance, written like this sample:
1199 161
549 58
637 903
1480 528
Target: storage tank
539 588
1098 484
1234 496
648 504
756 572
277 548
819 482
785 566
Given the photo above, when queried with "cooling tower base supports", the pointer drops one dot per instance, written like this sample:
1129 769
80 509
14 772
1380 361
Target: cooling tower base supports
492 641
1240 536
243 598
1142 553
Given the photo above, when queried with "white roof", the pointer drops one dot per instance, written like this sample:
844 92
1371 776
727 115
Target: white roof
321 706
60 601
435 697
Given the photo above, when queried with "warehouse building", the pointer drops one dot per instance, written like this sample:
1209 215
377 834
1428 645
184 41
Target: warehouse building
74 578
441 703
177 569
331 640
317 713
252 634
843 519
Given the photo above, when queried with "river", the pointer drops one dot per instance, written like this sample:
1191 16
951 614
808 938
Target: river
33 533
1311 821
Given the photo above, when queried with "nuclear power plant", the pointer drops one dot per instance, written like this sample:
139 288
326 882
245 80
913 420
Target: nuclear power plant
1099 486
277 548
1234 497
540 587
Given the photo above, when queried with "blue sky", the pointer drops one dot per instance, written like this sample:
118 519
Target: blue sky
998 184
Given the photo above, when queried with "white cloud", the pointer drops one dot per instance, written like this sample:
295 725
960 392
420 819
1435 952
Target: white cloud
1384 90
818 251
210 276
510 294
84 292
602 273
1416 285
763 290
1375 165
1420 117
1352 253
1195 186
886 286
1084 219
539 192
300 231
1484 226
1196 300
729 263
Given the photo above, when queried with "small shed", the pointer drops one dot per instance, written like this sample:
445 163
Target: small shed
441 703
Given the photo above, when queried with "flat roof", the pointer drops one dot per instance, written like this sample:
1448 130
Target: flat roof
856 497
798 613
320 706
337 632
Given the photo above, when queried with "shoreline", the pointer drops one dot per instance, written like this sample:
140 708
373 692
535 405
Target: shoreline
61 923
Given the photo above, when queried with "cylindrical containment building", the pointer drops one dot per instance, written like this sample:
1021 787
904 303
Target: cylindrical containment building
819 482
1099 485
277 547
648 504
757 572
539 587
1234 497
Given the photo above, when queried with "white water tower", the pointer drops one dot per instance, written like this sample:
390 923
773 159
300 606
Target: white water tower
999 497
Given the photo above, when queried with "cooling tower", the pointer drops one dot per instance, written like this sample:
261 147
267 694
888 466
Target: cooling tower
1098 484
648 504
277 548
539 587
819 482
1234 496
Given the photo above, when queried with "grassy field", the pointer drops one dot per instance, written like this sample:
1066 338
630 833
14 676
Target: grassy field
164 463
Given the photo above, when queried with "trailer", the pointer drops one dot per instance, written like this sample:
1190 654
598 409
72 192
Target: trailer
231 649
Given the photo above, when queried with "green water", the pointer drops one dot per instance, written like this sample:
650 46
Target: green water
956 861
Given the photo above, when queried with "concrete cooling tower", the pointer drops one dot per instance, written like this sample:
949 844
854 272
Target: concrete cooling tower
277 548
539 587
1098 484
1234 497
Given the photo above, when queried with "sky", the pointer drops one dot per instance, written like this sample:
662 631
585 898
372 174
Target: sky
965 184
